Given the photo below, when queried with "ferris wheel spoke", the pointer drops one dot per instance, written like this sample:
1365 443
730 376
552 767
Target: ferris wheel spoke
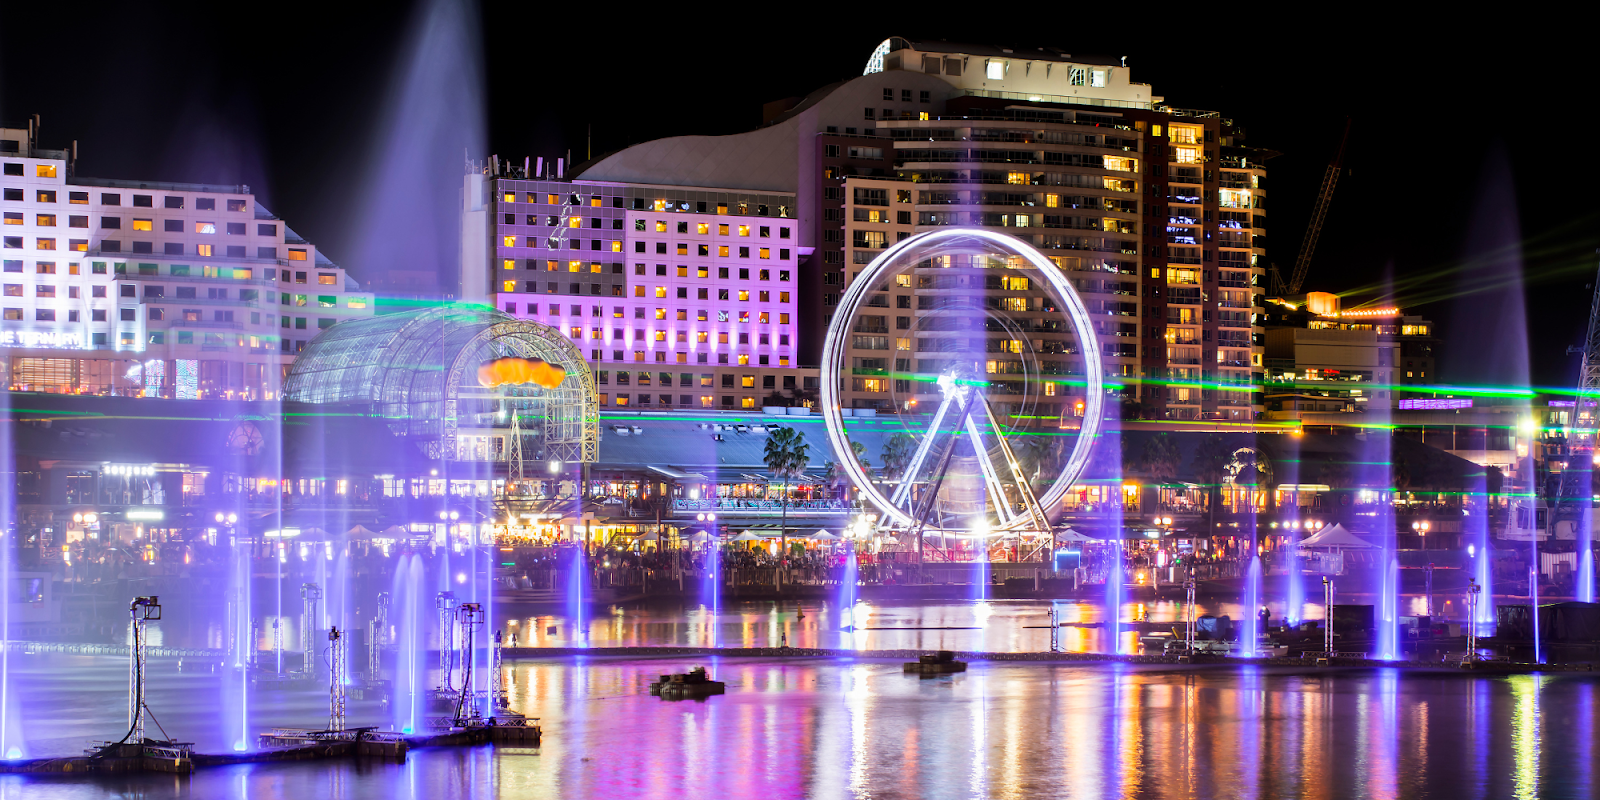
1024 488
902 493
990 477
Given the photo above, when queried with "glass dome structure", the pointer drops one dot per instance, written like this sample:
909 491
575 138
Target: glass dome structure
420 371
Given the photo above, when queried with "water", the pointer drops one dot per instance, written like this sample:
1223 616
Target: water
838 727
848 589
1250 639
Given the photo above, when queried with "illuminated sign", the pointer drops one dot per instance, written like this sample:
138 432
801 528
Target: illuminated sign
149 516
1434 404
53 339
129 469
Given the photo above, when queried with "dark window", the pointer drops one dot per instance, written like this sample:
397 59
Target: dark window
45 314
144 247
266 230
144 201
127 290
129 314
235 205
173 248
111 223
14 194
205 203
236 229
108 199
13 167
97 315
266 252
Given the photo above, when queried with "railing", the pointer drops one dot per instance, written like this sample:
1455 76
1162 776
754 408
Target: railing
739 504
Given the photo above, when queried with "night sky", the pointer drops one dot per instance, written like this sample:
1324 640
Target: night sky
1467 137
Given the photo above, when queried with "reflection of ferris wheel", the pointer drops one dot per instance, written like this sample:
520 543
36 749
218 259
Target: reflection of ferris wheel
1003 351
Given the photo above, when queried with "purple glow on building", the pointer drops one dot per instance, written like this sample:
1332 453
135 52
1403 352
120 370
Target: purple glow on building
1434 404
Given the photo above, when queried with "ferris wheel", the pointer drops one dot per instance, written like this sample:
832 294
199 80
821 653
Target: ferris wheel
995 386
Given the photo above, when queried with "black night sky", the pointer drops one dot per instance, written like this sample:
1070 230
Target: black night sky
1465 129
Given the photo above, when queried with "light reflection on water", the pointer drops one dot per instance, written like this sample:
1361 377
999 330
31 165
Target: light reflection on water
988 626
861 728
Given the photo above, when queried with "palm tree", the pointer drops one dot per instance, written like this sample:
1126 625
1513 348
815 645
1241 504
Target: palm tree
1209 465
787 456
897 452
860 451
1161 458
835 477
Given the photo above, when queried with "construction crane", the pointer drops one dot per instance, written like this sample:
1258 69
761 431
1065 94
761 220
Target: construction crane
1302 263
1574 495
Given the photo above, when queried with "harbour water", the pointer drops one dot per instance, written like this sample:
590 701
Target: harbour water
791 727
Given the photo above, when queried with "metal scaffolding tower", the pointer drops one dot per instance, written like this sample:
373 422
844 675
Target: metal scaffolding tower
336 692
446 605
310 595
469 616
141 611
377 637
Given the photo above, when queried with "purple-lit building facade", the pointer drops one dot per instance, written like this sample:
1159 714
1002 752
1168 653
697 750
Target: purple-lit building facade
680 297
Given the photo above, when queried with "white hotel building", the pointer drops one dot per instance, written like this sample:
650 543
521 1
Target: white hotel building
133 288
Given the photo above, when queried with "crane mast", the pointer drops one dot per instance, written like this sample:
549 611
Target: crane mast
1302 262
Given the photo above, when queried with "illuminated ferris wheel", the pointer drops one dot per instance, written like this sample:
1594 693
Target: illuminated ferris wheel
995 383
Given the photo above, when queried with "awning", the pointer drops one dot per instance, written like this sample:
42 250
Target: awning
675 473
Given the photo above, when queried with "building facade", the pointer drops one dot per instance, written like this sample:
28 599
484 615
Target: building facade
680 297
151 289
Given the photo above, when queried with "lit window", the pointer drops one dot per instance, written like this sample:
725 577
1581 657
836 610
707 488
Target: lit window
744 230
638 291
358 304
722 250
594 266
44 170
208 228
661 291
46 220
510 197
744 294
509 241
595 201
143 225
1019 178
1186 155
203 250
508 263
995 70
296 255
783 297
574 266
616 247
575 222
765 252
747 402
16 218
703 228
661 313
661 224
902 344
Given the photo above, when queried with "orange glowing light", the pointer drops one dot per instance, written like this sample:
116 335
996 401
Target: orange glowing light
503 371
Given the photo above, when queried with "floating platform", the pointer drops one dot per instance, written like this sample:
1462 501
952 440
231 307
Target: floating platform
941 663
693 683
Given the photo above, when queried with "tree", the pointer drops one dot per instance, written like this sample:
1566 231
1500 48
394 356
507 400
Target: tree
786 456
1209 465
897 452
860 451
1161 458
1399 476
835 477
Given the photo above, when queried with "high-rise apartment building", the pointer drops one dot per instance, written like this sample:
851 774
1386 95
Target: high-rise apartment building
680 297
151 289
1156 213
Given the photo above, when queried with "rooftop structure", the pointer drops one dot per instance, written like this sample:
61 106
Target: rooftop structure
421 371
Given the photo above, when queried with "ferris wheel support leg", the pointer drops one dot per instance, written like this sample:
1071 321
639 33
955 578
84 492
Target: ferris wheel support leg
990 477
909 474
1024 489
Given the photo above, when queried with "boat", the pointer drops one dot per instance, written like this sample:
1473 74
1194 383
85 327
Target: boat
941 663
693 683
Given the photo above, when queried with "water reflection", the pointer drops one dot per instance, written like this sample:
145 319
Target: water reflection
861 728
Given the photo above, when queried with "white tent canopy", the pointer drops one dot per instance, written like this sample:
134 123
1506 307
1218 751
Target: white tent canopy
747 536
700 536
1336 536
823 536
1069 535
